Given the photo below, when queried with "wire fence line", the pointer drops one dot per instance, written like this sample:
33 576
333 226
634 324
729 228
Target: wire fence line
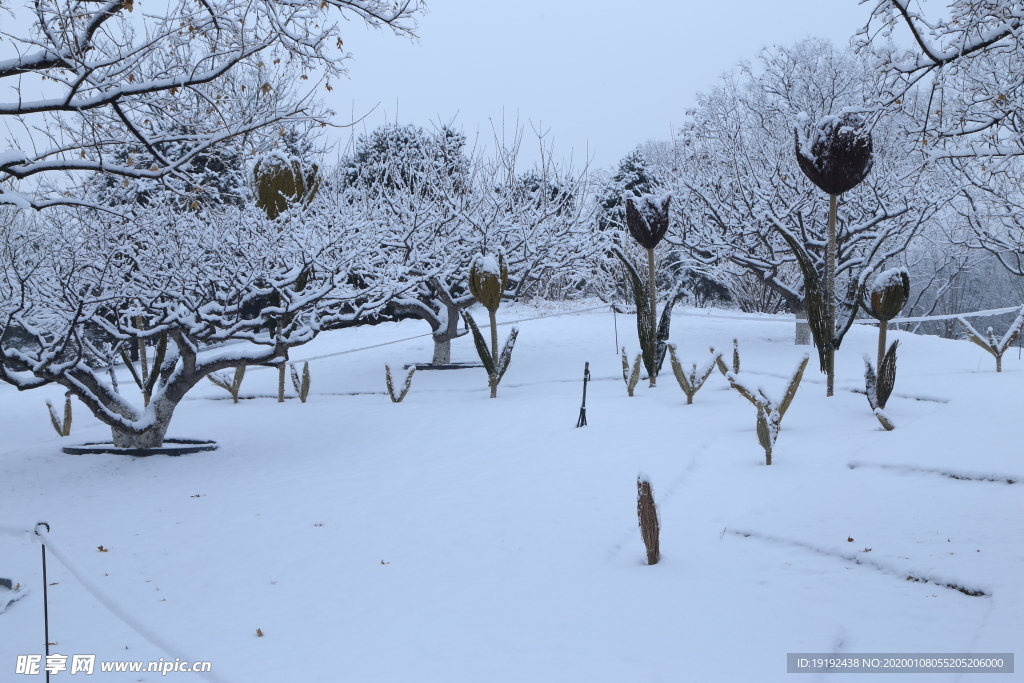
950 316
144 630
616 308
427 334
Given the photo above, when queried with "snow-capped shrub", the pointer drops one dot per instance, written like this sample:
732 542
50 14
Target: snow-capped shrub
488 279
769 411
997 347
720 362
397 398
691 382
301 385
233 385
630 377
62 427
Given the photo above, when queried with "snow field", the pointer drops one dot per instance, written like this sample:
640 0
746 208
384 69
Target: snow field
471 539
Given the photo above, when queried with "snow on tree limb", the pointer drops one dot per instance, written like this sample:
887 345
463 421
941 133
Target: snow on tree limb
111 77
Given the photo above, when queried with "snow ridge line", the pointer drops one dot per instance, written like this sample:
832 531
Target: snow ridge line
952 474
856 559
115 608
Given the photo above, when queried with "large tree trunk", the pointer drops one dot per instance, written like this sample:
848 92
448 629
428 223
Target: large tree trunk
153 437
442 352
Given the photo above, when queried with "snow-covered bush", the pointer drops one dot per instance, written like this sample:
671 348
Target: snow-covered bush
301 384
997 347
691 382
62 427
769 411
233 385
720 362
631 377
397 397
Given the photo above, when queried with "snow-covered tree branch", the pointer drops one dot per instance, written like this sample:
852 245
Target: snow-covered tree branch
89 79
745 202
76 291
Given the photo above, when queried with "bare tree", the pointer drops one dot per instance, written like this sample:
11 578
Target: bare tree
77 289
745 202
970 62
111 78
440 205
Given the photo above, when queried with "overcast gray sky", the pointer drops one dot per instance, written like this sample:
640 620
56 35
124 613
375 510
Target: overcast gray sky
601 77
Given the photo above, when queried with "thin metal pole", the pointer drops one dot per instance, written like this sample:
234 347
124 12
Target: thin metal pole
582 422
46 612
615 319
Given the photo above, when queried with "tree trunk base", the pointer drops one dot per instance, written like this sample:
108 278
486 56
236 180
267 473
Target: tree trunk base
442 353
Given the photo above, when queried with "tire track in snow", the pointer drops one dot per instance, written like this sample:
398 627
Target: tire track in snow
917 577
952 474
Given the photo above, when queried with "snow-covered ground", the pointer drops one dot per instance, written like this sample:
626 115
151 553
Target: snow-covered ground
456 538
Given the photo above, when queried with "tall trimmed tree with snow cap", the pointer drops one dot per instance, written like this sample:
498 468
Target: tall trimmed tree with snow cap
488 279
886 297
835 154
647 220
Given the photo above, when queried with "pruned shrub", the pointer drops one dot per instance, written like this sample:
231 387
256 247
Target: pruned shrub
232 386
769 411
397 398
301 385
720 361
630 377
647 513
997 347
691 381
62 427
